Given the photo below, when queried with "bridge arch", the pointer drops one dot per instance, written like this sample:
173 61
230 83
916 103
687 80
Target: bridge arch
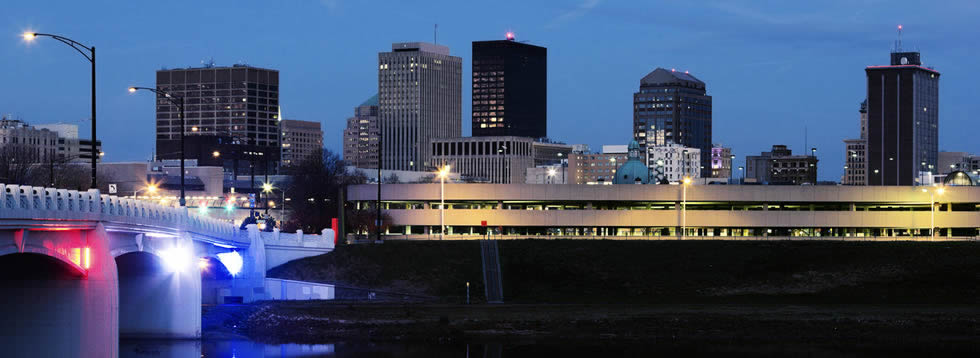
159 297
53 308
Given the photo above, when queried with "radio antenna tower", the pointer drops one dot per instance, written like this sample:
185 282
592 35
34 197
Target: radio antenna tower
898 43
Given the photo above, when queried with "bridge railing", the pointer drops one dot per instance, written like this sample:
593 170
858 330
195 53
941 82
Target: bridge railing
32 203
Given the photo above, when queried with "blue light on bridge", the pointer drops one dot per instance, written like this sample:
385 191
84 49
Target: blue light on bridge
232 261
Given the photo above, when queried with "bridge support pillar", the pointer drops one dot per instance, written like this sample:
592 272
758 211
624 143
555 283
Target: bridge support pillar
160 290
250 283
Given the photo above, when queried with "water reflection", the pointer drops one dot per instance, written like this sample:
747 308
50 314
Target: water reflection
236 349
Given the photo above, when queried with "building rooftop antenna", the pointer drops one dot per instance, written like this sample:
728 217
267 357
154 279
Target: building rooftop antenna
898 43
435 34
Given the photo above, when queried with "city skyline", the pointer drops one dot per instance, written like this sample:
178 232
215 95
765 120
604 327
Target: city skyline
817 55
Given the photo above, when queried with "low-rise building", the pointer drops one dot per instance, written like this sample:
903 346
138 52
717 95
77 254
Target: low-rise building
495 159
721 162
548 174
673 162
665 211
596 168
781 167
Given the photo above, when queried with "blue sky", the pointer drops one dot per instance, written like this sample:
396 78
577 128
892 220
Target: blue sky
773 67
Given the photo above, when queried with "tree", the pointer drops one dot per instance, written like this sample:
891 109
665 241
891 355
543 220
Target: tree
24 165
364 221
315 190
392 179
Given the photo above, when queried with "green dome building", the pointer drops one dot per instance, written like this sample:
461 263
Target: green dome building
635 170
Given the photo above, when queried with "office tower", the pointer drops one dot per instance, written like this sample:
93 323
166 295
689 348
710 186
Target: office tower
300 139
855 151
903 120
419 99
510 89
232 116
721 161
672 107
781 167
361 135
502 160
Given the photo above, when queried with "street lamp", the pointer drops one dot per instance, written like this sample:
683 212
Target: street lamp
179 102
267 188
89 53
730 171
684 184
741 175
932 209
151 188
442 200
551 174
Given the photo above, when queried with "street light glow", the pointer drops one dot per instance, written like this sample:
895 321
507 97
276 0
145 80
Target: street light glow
552 172
687 180
29 36
132 89
267 187
444 171
216 154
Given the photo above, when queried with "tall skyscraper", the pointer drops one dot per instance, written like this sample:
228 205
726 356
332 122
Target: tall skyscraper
419 99
232 116
510 89
361 135
300 140
672 107
903 120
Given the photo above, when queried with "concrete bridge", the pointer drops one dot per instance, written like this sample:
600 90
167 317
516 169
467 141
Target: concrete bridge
81 269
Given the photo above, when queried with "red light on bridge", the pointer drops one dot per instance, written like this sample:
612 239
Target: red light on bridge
81 256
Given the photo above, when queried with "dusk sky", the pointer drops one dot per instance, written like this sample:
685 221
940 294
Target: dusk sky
773 68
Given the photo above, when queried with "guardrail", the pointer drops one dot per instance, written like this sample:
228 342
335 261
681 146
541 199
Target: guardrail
40 203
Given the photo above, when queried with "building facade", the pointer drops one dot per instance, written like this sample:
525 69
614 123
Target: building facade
596 168
721 162
548 174
903 121
855 151
232 111
361 136
672 163
673 107
300 140
419 99
22 142
495 159
958 161
660 212
781 167
510 89
855 165
71 148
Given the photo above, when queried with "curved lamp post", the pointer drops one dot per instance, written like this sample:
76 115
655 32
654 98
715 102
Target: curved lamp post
89 53
179 102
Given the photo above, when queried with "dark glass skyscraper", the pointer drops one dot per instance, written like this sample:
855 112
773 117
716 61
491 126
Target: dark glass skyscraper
510 89
903 121
673 107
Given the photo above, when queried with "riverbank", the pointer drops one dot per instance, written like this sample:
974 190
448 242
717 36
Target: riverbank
660 272
743 328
